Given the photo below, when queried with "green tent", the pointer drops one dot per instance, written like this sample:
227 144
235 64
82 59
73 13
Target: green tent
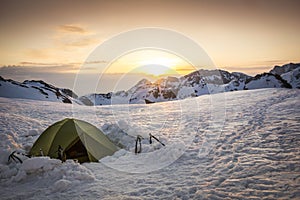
78 139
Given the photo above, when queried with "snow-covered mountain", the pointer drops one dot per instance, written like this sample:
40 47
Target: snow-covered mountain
266 80
37 90
284 68
289 72
197 83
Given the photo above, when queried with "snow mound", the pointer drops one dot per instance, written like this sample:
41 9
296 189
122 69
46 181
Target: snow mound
39 164
62 174
116 133
124 135
61 185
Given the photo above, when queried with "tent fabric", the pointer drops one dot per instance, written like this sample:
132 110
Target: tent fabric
79 139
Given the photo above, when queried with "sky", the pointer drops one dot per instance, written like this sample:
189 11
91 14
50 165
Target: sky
50 40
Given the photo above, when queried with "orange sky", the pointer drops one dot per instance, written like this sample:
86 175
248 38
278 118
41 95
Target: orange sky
246 36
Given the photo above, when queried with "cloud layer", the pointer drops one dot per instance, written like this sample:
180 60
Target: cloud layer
69 28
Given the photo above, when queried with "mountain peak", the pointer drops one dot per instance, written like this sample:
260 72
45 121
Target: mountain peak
284 68
289 72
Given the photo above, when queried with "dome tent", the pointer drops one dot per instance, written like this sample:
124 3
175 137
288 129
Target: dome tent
79 139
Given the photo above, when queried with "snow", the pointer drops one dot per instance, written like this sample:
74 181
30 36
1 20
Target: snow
235 145
35 90
293 77
10 90
265 81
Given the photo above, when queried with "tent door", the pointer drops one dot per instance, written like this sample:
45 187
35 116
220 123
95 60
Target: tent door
77 151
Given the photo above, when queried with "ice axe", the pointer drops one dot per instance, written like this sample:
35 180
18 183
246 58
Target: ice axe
152 136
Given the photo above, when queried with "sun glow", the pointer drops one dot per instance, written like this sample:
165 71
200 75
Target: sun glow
151 62
155 70
164 61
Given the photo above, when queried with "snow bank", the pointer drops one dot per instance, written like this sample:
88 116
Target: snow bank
124 135
53 171
39 164
117 133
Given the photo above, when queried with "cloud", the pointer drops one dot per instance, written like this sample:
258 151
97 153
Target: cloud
70 36
42 68
185 70
37 63
262 63
54 76
96 62
43 65
273 62
50 74
41 53
81 42
28 67
247 68
256 67
69 28
67 43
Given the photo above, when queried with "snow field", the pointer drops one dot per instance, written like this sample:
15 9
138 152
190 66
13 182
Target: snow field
250 151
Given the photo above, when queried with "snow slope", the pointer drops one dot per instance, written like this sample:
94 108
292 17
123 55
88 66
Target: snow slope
289 72
37 90
293 77
244 145
266 80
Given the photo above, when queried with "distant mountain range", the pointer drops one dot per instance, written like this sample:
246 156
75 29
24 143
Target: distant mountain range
165 89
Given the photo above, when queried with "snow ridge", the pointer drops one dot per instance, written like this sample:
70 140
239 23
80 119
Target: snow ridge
289 72
36 90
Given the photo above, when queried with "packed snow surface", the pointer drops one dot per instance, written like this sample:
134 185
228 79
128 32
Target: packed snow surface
237 145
